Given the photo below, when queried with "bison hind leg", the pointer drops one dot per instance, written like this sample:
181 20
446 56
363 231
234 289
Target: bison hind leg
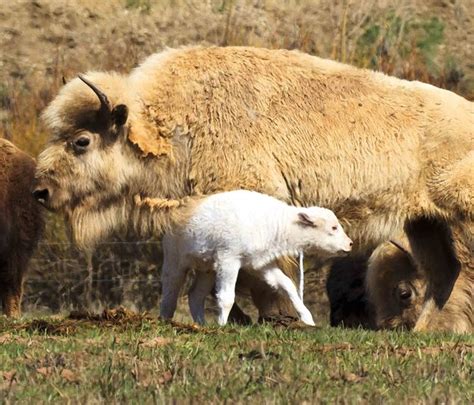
11 301
11 286
452 189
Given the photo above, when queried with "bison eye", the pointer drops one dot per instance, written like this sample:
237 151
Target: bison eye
80 144
404 294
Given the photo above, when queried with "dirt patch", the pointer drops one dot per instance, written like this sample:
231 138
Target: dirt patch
49 328
115 316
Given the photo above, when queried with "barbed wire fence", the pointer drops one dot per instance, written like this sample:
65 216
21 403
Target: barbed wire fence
119 273
60 278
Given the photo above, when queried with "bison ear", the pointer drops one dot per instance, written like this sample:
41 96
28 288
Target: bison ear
305 220
147 138
120 115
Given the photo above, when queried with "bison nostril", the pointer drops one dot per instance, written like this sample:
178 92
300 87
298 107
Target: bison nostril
41 195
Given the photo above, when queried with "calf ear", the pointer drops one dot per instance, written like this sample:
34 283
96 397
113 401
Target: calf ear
120 115
304 219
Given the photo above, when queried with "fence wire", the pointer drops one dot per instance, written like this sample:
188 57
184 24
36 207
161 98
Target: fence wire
120 272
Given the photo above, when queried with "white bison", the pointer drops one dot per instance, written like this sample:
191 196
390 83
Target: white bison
379 152
241 229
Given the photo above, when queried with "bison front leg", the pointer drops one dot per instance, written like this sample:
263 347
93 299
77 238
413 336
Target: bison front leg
11 302
11 295
238 316
270 304
11 287
446 259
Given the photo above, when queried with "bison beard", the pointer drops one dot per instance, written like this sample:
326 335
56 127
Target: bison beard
382 153
20 224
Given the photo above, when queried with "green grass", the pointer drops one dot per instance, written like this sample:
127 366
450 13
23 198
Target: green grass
140 360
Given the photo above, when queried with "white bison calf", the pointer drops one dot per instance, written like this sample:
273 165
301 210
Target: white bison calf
243 229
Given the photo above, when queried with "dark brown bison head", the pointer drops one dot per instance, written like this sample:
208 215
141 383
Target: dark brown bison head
395 287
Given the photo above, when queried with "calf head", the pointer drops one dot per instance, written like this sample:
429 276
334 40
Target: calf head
322 234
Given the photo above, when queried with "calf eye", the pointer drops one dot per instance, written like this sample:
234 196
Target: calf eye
334 228
80 144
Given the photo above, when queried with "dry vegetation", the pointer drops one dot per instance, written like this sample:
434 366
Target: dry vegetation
42 41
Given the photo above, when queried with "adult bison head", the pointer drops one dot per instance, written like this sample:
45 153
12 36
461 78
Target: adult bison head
90 169
395 287
84 157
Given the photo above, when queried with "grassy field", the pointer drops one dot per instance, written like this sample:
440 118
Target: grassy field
120 357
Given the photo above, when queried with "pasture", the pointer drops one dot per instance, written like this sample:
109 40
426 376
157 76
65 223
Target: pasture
55 353
124 357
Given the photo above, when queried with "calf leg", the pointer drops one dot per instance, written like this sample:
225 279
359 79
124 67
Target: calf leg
197 295
227 271
173 274
269 302
277 279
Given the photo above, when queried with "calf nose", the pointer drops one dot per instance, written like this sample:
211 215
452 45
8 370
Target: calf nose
349 246
41 195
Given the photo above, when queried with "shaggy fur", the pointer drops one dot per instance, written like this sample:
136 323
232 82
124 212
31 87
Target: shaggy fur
382 153
20 224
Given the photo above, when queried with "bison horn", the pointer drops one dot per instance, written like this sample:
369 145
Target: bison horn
105 105
399 246
406 251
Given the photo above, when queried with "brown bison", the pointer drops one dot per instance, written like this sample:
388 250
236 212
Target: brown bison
378 151
386 291
20 223
395 288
